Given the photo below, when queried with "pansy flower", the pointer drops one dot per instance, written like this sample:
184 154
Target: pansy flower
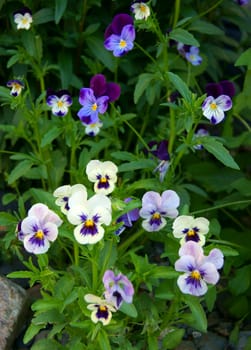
88 217
214 108
16 87
101 309
156 207
93 129
101 87
120 35
103 174
128 218
199 270
187 228
23 18
92 106
140 10
59 102
190 53
159 150
224 87
118 288
64 193
39 228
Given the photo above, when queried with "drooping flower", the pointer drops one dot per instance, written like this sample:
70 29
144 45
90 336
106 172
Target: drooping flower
64 193
140 10
190 53
156 207
16 87
188 228
198 134
214 108
39 228
92 106
89 217
224 87
59 102
120 35
198 269
93 129
101 88
23 18
103 174
159 150
101 309
118 288
128 218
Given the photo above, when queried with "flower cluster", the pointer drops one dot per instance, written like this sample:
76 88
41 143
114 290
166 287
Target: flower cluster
118 289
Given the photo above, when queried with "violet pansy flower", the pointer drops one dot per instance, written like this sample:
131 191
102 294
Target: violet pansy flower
39 228
128 218
190 53
101 309
159 150
118 288
156 207
16 87
120 35
59 102
199 270
23 18
214 108
103 174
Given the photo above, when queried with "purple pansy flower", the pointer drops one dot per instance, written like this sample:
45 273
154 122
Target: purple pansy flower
224 87
101 88
156 207
39 228
159 149
214 108
59 102
16 87
120 35
118 288
127 218
92 106
190 53
199 269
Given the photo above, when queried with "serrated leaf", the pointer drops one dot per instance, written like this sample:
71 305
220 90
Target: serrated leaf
19 171
180 85
219 151
51 135
183 36
60 9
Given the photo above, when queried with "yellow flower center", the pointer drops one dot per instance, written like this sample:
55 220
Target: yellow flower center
195 275
191 233
102 308
156 216
39 234
122 44
103 180
94 107
89 223
60 104
213 105
24 21
142 8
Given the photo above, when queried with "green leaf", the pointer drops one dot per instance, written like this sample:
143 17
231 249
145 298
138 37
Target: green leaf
240 283
123 155
103 340
51 135
31 331
96 47
198 313
244 59
142 84
21 274
180 85
14 59
45 344
128 309
183 36
7 219
43 196
163 272
219 151
50 316
43 16
60 9
206 28
137 164
19 171
173 338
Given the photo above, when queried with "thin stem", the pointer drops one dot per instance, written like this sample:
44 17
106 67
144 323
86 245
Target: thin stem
243 121
122 248
137 134
176 13
221 206
76 253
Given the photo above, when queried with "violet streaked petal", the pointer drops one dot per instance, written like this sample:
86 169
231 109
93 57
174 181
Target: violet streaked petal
86 96
210 273
185 263
197 289
224 102
102 103
128 34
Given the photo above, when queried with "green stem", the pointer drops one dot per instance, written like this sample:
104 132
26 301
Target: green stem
137 134
224 242
122 248
243 121
220 206
176 13
76 253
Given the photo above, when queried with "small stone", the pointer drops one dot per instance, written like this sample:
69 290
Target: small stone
13 302
186 345
209 341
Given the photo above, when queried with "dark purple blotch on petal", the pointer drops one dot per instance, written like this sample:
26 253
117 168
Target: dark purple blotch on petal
118 22
224 87
22 11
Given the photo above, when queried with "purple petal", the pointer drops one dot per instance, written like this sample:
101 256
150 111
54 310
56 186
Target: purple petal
98 85
128 34
112 91
102 103
192 248
118 22
224 102
185 264
86 96
214 89
188 286
228 88
216 257
51 100
210 273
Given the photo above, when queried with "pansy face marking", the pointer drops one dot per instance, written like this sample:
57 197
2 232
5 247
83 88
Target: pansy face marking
16 87
101 309
103 174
